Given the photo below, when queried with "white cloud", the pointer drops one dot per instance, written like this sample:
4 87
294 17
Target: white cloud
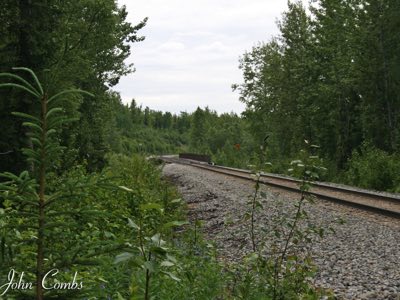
216 46
190 55
171 46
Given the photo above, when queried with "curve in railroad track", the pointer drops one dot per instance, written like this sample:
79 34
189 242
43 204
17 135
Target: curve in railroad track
382 203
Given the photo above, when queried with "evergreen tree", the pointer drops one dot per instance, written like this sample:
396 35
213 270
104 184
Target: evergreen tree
198 130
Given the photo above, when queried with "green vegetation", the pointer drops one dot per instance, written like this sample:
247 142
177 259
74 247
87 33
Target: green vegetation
77 195
330 77
69 44
74 225
113 233
374 168
279 264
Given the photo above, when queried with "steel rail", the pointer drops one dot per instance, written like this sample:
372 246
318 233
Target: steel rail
321 190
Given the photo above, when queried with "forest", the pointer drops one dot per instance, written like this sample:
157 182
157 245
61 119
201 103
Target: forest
77 193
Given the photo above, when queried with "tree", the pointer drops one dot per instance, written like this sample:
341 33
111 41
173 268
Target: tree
379 78
295 104
336 56
73 44
198 130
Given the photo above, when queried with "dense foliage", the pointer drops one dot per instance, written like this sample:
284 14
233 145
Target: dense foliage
69 44
224 137
78 196
330 77
60 235
56 227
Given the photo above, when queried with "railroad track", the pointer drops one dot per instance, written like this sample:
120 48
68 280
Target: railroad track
382 203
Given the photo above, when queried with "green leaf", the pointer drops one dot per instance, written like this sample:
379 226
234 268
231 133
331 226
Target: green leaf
108 234
102 279
53 111
252 257
123 257
69 92
156 239
20 87
36 142
149 206
149 265
258 204
31 153
167 263
124 188
33 160
171 258
50 132
9 175
175 224
33 75
19 78
32 125
170 275
159 250
176 201
133 224
26 116
246 216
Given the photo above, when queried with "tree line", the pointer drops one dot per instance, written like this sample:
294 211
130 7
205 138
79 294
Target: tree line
69 44
223 136
330 77
84 44
75 198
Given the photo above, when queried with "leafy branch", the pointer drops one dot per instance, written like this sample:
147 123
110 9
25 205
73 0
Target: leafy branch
45 150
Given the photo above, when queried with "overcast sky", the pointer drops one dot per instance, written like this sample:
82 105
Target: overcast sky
190 55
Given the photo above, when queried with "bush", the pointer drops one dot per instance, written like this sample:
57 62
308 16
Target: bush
373 168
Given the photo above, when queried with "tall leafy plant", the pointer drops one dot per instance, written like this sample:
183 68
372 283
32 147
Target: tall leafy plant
279 264
27 196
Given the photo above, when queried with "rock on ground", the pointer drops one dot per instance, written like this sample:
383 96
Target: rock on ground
361 260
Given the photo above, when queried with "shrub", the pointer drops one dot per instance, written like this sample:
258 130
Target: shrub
373 168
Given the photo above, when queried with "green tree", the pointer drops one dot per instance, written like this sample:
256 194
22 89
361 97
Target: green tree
79 44
198 130
336 55
379 75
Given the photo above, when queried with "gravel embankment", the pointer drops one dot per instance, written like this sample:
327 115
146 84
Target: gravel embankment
361 260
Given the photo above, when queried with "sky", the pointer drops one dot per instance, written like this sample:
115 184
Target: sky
190 55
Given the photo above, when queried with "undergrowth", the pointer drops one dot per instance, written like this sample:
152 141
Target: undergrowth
373 168
122 233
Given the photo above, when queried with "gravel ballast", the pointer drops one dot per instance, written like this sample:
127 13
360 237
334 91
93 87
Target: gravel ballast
361 260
